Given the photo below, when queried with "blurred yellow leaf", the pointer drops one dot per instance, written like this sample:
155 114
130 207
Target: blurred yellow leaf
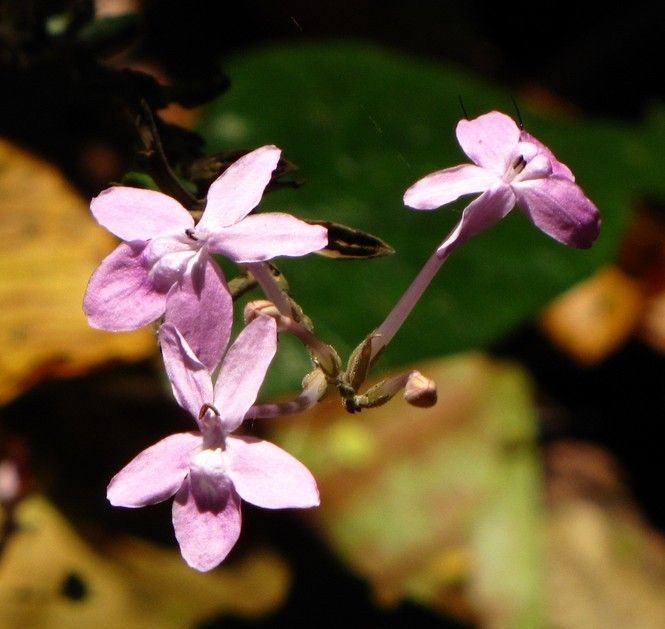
51 578
652 325
49 246
595 317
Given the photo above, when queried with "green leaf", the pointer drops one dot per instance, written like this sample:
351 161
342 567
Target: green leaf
363 124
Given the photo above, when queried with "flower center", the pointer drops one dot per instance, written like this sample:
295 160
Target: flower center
211 427
168 257
209 479
527 163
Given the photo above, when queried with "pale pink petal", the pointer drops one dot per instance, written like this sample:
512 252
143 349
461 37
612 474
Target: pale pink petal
489 208
559 208
205 536
244 369
489 140
190 380
201 307
262 237
156 473
444 186
558 168
137 214
238 190
120 295
269 477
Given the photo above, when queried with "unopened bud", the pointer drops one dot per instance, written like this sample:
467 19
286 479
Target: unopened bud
315 384
420 391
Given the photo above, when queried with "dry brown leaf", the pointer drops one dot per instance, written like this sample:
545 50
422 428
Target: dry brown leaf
132 584
49 246
595 317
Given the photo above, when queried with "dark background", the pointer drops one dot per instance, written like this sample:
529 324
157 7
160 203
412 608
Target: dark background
599 63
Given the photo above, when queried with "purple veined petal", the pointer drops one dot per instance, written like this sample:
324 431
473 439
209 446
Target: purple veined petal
201 307
137 214
559 208
238 190
190 380
156 473
269 477
265 236
244 369
558 168
445 186
489 140
120 295
489 208
205 537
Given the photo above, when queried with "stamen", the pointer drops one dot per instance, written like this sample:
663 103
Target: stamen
190 234
207 407
519 164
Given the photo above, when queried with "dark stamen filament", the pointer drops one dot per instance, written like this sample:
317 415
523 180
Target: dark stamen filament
519 164
207 407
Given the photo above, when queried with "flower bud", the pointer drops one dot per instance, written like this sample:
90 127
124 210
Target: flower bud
420 391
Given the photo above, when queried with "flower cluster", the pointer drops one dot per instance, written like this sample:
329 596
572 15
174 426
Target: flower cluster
164 270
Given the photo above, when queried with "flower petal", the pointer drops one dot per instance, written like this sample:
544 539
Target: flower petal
244 369
262 237
156 473
489 208
205 537
269 477
190 380
559 208
137 214
558 168
489 140
238 190
444 186
120 295
201 307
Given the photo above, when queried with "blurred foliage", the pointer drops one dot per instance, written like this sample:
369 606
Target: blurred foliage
364 123
455 507
49 246
438 505
51 577
593 318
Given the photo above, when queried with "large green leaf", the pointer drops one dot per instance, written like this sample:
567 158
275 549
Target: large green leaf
364 123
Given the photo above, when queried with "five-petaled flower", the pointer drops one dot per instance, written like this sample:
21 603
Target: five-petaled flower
510 168
164 265
209 471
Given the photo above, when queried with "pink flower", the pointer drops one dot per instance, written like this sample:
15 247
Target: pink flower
510 168
209 471
164 265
